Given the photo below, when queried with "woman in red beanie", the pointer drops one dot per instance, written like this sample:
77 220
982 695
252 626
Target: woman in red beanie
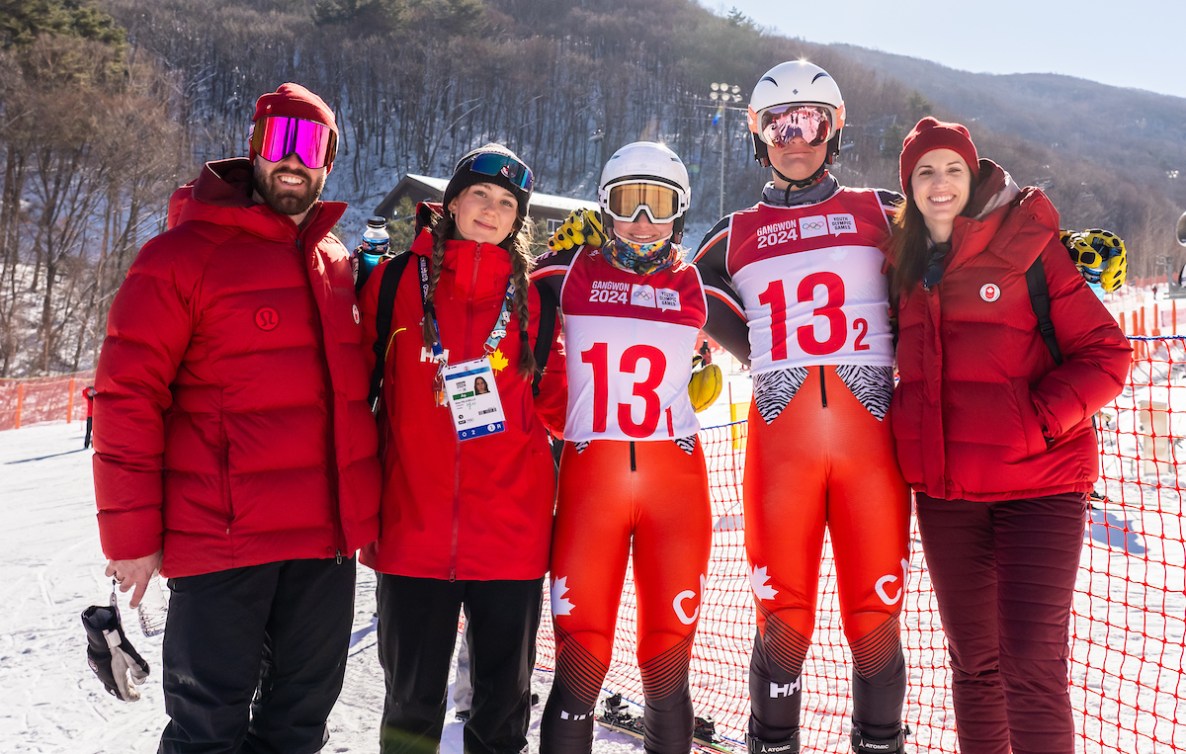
993 430
468 477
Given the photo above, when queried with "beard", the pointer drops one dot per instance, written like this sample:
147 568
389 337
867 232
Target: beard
288 200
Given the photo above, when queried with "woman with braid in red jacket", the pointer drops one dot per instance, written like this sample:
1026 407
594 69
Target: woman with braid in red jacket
469 482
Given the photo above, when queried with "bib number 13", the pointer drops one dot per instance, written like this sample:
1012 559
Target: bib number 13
647 380
827 332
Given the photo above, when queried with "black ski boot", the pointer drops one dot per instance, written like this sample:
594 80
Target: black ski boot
864 745
786 746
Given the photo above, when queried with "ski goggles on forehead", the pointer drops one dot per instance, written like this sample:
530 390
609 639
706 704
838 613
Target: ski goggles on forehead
276 137
501 166
627 201
777 126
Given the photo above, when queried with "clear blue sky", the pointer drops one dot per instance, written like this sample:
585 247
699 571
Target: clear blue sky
1130 43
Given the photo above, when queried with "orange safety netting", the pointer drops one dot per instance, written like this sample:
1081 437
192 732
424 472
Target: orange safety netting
1127 647
43 399
1128 624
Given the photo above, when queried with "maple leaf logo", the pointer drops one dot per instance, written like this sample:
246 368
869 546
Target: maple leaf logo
498 361
759 581
560 606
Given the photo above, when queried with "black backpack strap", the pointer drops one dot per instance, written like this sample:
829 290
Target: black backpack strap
1035 279
392 271
548 311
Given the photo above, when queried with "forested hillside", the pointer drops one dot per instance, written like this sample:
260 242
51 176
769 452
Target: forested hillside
115 102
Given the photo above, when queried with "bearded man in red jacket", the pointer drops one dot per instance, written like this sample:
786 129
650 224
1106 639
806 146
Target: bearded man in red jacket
235 451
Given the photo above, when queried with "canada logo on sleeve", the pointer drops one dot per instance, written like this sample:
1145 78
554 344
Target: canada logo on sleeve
990 292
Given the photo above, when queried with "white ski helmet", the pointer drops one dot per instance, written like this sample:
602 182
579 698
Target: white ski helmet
800 83
646 163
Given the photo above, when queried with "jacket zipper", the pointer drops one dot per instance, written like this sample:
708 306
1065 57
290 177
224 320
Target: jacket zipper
823 388
469 326
226 482
331 444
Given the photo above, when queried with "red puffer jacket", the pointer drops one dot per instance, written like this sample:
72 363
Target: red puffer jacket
478 509
231 424
982 412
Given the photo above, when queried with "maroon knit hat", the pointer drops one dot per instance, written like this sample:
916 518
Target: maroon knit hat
295 101
929 134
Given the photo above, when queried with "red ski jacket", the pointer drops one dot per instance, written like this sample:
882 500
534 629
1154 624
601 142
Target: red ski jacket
478 509
231 423
982 411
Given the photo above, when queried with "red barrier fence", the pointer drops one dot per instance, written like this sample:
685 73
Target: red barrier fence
43 399
1127 628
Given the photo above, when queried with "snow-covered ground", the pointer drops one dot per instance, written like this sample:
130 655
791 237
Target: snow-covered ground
1128 649
50 702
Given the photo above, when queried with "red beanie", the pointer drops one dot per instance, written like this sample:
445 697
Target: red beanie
294 101
929 134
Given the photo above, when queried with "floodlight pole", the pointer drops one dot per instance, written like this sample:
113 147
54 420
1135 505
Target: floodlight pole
725 94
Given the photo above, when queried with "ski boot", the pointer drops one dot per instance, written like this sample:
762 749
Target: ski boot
786 746
861 744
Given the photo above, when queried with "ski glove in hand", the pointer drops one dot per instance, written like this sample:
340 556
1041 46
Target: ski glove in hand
109 653
1100 256
582 227
705 385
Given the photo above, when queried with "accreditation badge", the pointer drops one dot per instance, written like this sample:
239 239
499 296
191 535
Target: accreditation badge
473 399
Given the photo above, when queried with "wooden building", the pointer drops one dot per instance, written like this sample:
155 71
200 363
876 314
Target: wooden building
418 188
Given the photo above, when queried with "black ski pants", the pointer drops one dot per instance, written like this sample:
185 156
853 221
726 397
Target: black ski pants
254 657
417 628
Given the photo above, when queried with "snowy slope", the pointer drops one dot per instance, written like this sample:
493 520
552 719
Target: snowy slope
49 545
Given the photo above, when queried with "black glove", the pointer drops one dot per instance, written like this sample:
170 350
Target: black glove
109 653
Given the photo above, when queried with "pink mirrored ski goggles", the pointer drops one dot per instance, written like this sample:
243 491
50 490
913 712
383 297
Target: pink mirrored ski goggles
780 124
276 137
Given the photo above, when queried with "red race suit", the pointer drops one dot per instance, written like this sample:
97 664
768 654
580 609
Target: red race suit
632 478
806 277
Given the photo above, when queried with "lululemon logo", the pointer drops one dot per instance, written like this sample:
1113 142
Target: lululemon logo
267 318
990 292
357 318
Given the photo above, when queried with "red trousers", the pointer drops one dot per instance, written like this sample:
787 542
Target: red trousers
1004 575
618 498
825 464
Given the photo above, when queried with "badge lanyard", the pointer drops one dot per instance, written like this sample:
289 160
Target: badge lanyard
440 354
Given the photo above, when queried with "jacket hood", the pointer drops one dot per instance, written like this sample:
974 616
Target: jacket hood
222 194
1000 213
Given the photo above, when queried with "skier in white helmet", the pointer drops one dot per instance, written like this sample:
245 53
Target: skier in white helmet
632 474
796 288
